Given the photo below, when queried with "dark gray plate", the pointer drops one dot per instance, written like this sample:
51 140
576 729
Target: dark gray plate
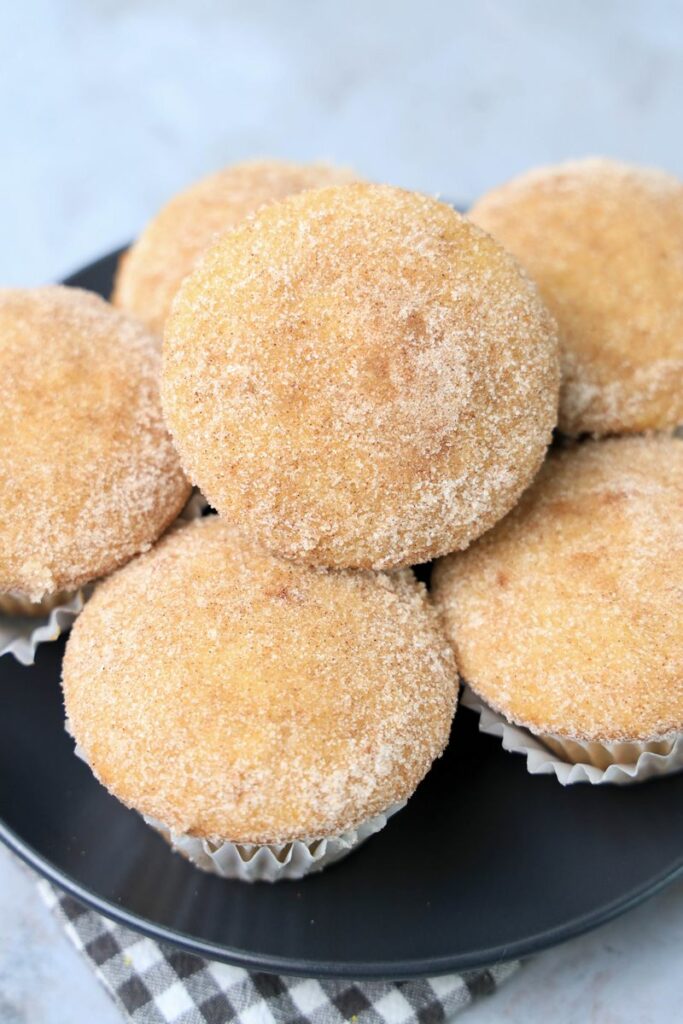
486 862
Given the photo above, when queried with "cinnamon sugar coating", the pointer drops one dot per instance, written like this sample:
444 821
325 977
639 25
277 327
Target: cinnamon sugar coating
604 242
88 474
251 700
567 617
152 270
358 376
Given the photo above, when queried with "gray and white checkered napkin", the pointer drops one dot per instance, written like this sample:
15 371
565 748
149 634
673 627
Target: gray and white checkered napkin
156 984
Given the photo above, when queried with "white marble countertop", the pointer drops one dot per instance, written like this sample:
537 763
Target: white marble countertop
111 105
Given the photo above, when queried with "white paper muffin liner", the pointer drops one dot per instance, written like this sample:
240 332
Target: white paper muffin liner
616 763
21 635
253 863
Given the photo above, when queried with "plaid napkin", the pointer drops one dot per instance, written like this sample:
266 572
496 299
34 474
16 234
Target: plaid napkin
156 984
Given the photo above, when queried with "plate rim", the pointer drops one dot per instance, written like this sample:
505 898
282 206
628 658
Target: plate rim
347 970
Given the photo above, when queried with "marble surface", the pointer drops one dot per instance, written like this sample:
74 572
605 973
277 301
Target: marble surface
111 105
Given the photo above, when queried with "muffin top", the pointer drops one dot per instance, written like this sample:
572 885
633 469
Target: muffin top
604 242
359 377
151 271
252 700
568 616
88 473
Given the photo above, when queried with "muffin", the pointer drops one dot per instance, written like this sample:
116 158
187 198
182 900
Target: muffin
263 716
88 474
150 273
567 618
604 242
359 377
10 605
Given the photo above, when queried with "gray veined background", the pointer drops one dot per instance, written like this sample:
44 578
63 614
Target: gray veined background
109 106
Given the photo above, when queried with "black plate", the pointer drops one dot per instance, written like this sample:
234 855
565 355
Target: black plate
486 862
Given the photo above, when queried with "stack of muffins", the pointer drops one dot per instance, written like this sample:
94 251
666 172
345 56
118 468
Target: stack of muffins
567 618
358 379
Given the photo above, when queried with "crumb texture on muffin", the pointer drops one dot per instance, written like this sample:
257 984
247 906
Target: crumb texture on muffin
88 473
567 617
360 377
604 242
252 700
152 270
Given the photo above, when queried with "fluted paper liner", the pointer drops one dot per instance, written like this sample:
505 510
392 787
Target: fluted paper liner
250 862
21 635
274 863
578 761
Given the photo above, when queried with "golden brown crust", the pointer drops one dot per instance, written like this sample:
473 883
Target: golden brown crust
252 700
152 270
604 242
22 606
359 377
568 616
88 473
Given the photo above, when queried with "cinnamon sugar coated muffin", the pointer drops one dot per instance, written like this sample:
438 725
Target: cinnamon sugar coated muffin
604 242
88 474
567 618
358 376
253 701
152 270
